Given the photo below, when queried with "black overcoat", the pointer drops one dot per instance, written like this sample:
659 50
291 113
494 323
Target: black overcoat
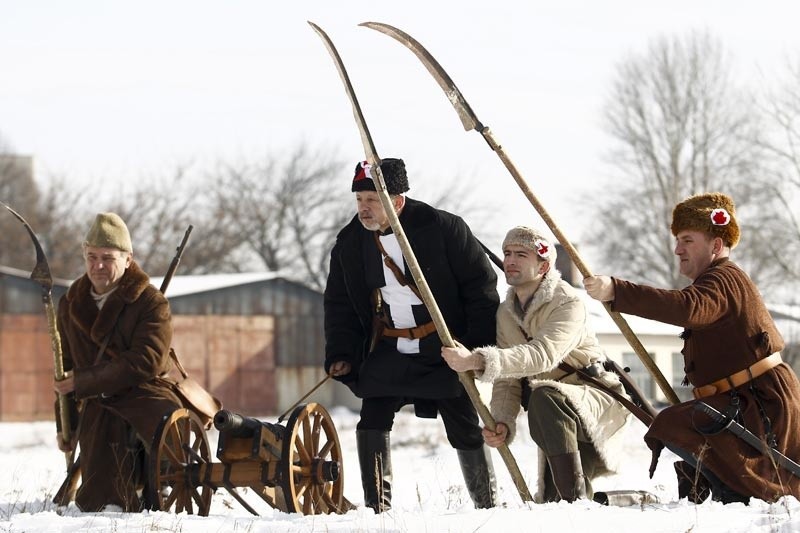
462 282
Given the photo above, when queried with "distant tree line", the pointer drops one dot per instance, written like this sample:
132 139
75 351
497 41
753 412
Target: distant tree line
680 123
276 214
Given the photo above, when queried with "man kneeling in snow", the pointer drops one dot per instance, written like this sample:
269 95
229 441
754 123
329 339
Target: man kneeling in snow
543 323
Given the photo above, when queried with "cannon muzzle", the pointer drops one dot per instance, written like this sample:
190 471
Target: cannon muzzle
236 425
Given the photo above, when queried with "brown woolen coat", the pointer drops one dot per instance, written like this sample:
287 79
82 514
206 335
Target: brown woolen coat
727 329
123 388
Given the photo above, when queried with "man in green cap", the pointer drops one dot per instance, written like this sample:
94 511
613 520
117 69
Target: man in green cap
116 330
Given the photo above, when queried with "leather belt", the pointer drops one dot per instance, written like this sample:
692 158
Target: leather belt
738 378
411 333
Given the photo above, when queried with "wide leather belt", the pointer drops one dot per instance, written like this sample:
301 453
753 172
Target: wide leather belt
411 333
739 378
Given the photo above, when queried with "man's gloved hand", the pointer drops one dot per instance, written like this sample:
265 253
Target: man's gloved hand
340 368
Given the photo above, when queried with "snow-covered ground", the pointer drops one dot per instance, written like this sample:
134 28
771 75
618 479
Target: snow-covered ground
429 495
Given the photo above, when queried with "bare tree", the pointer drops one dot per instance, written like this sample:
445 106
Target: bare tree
782 144
285 212
60 222
18 190
158 212
681 127
281 214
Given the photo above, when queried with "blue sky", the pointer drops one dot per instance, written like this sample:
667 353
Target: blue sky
116 91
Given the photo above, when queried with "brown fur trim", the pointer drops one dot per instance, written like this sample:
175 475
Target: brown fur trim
83 311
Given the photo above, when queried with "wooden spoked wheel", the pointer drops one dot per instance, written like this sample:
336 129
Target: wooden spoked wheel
180 448
311 464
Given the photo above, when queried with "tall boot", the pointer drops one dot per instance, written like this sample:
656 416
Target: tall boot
375 461
476 466
568 476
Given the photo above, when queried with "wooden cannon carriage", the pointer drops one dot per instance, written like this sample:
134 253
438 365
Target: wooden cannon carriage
296 468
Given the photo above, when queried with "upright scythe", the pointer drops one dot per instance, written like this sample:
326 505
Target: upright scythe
427 296
41 275
470 121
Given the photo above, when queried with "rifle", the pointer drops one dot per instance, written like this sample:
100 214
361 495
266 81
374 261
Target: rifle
66 492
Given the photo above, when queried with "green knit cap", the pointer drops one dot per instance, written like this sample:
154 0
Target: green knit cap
109 231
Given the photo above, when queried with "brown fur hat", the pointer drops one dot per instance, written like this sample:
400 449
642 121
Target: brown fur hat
394 174
713 213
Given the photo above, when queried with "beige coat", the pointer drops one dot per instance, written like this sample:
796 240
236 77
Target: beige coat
554 329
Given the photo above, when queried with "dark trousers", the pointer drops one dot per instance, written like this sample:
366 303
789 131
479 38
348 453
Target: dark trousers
557 429
458 414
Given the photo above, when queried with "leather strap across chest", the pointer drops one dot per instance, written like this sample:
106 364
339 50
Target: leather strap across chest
417 332
391 265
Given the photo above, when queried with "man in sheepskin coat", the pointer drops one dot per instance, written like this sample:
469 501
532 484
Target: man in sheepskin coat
731 357
542 323
115 305
379 337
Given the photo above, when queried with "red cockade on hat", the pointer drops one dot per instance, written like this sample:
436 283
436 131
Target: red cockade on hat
542 249
720 217
364 173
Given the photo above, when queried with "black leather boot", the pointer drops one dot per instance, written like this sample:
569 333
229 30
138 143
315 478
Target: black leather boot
375 461
691 484
476 466
568 476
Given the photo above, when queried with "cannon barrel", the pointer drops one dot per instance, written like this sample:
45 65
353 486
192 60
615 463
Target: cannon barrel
236 425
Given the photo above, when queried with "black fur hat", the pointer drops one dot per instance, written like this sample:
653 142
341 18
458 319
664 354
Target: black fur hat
394 174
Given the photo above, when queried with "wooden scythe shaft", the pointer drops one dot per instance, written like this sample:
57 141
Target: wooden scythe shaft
58 374
466 379
618 319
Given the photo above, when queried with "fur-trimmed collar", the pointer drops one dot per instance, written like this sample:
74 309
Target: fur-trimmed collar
544 294
82 309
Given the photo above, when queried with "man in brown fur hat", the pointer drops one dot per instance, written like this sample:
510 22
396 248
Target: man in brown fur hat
379 337
731 358
115 331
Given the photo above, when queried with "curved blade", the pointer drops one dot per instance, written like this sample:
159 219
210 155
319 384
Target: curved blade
366 138
468 118
41 272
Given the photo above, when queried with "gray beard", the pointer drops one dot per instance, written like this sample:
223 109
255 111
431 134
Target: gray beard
371 227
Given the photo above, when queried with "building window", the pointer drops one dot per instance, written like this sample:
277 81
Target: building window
677 370
638 373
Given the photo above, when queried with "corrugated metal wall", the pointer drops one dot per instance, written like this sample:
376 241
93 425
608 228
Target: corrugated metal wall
297 311
26 357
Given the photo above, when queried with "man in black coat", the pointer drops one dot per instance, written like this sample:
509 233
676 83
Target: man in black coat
380 340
